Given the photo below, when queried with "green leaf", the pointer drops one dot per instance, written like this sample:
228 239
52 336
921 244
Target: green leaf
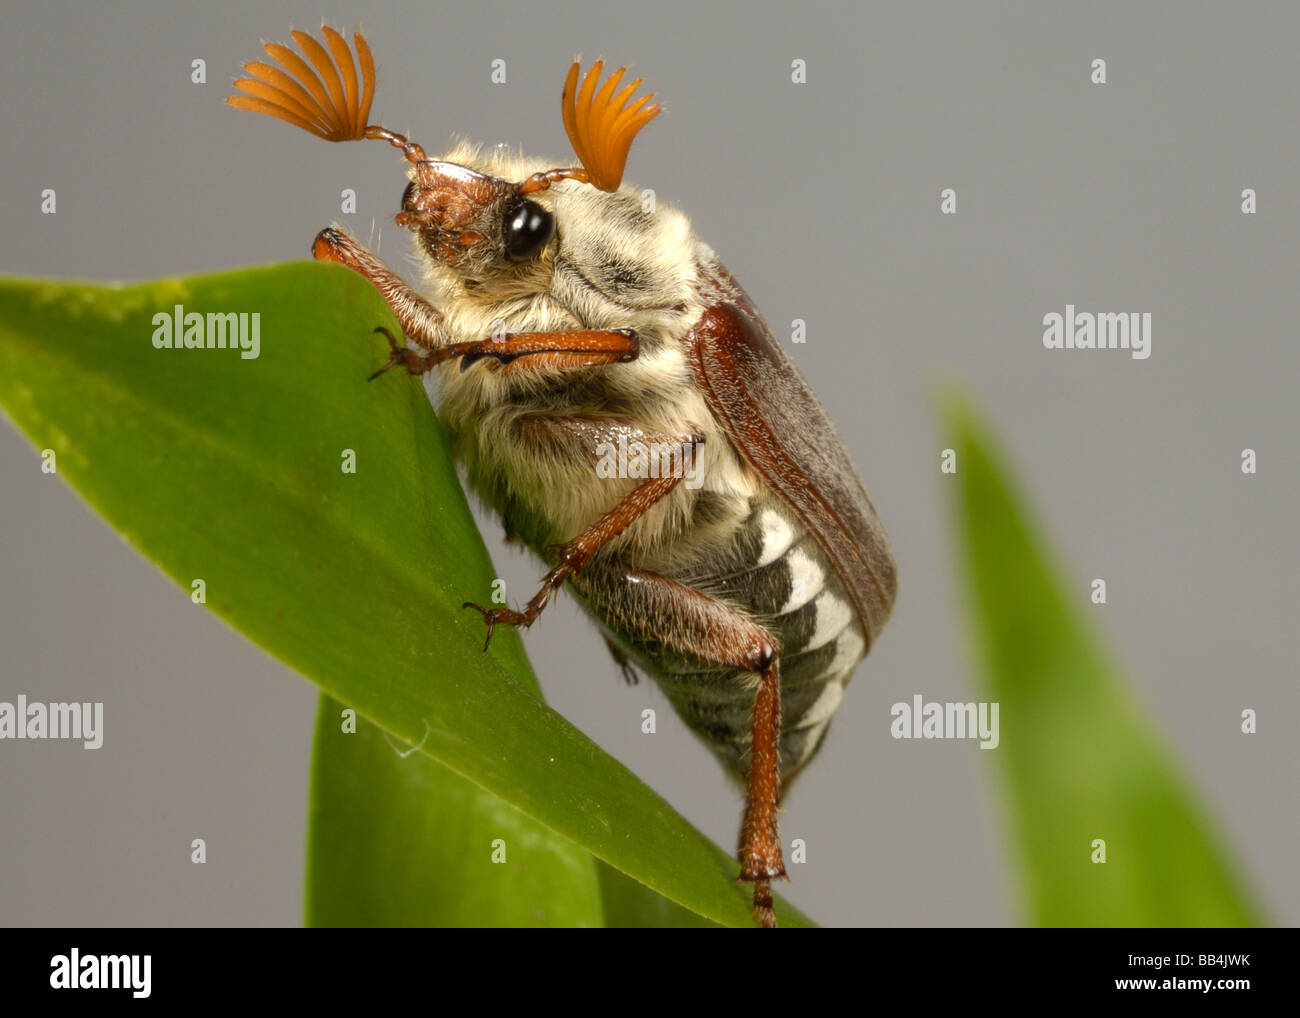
630 905
229 469
396 839
1080 759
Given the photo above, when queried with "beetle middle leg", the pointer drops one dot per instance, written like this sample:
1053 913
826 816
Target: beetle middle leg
576 553
652 607
579 438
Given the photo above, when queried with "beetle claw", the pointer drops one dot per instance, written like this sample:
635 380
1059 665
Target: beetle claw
415 363
489 617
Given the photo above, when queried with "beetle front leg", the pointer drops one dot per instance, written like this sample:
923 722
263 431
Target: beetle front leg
422 323
420 320
547 351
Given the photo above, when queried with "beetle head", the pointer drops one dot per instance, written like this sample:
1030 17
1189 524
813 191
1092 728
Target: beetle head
472 221
469 220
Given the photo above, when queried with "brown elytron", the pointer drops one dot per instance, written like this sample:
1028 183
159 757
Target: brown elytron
568 317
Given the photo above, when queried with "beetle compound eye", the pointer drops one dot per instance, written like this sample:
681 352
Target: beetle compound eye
526 230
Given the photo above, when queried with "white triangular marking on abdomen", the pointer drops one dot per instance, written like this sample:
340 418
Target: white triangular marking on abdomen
778 535
824 706
806 580
833 617
848 652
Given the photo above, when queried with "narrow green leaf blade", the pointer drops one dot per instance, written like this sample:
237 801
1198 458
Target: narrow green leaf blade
1080 760
396 839
631 905
230 470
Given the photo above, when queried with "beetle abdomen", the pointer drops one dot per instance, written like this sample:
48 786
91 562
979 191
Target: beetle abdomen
776 574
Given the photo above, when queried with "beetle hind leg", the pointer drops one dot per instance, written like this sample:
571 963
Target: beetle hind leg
760 845
651 607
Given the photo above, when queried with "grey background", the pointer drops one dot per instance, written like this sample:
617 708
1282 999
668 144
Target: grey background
823 200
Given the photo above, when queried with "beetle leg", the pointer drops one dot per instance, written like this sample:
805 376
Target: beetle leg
423 324
556 351
760 844
651 607
420 320
574 554
625 666
408 357
579 437
574 439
